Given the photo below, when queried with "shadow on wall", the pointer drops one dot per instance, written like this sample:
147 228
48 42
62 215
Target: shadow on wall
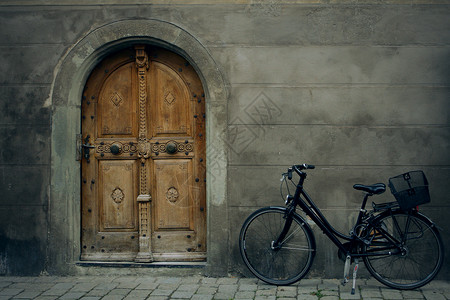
21 257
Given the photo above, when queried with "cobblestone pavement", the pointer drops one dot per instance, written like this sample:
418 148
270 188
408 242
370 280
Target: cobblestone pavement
202 288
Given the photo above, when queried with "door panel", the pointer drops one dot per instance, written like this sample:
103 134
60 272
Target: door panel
118 193
117 103
170 102
143 167
173 190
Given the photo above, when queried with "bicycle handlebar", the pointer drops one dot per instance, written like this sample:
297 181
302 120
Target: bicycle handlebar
305 167
298 169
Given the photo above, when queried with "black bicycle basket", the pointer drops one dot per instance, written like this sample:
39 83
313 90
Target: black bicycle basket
410 189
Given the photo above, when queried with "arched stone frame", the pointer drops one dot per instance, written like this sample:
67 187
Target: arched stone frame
65 98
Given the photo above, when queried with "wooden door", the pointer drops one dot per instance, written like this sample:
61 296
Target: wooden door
143 167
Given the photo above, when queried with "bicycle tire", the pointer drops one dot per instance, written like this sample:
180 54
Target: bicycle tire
282 266
420 259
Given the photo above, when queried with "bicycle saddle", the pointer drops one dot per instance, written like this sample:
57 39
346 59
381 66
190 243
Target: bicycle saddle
377 188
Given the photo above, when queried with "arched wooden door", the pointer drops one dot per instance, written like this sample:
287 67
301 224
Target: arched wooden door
143 166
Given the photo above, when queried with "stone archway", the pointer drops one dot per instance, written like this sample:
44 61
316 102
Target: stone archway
65 99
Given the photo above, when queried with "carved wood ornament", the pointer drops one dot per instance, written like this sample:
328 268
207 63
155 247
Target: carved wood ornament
144 254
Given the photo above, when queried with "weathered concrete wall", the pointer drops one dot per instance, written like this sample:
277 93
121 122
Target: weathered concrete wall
360 90
24 159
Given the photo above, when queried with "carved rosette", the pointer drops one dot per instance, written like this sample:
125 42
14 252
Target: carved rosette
172 195
117 195
143 150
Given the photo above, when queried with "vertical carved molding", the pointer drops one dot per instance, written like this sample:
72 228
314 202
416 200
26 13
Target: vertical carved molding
144 254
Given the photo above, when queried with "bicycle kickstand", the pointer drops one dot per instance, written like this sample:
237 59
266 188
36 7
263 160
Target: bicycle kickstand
348 261
355 270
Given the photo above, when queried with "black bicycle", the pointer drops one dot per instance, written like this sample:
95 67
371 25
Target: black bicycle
401 247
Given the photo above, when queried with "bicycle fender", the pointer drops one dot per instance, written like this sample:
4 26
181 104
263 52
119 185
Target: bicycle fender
431 222
415 213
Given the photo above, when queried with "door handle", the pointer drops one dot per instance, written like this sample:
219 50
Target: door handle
86 146
171 148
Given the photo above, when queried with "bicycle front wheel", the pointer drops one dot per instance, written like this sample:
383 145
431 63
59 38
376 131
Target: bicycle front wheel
281 265
417 257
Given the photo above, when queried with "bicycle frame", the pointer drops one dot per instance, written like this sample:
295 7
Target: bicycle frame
311 210
401 248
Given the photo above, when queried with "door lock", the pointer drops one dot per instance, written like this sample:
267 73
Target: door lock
86 146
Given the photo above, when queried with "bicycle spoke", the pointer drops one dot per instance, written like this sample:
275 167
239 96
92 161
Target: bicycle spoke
291 235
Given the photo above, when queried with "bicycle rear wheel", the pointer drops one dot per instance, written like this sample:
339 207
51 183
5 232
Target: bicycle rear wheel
421 250
281 265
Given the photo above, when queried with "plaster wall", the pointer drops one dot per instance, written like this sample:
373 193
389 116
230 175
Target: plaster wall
361 90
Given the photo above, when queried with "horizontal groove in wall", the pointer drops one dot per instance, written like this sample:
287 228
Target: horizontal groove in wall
442 126
20 84
365 44
218 2
339 85
22 124
26 205
343 166
27 165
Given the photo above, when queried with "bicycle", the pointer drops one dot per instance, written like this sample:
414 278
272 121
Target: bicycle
401 247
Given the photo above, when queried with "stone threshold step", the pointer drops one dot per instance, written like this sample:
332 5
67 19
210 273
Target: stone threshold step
113 264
